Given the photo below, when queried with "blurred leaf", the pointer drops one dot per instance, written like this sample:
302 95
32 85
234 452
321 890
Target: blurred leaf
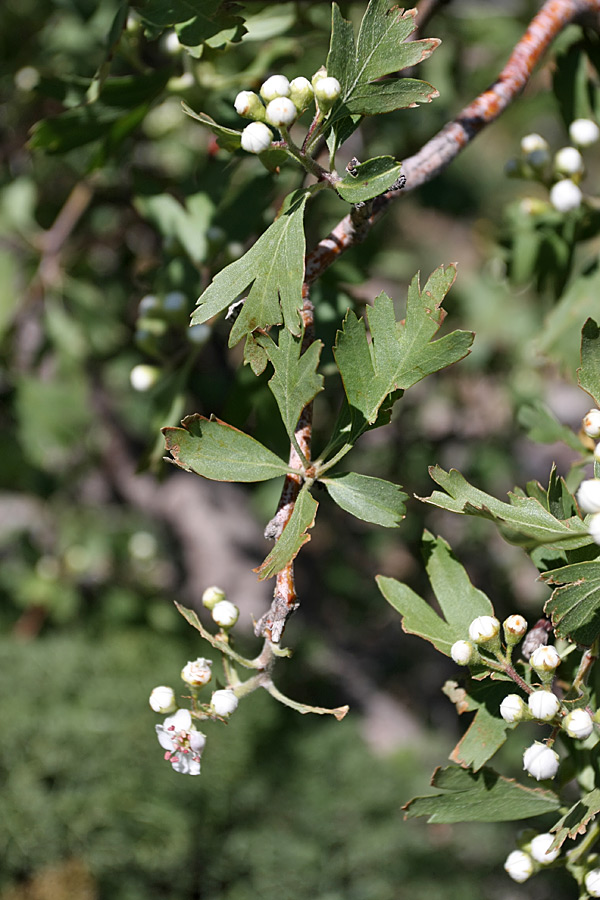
228 138
215 450
210 21
295 381
570 84
293 536
523 521
9 289
575 606
484 796
575 820
369 179
370 499
187 224
543 428
400 353
560 338
487 732
273 268
273 20
588 375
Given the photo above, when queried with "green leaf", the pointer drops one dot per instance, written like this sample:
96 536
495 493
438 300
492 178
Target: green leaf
388 96
523 521
588 375
487 732
215 450
293 536
227 138
483 796
295 381
560 338
459 601
574 607
187 224
575 821
274 267
369 179
543 428
370 499
400 353
209 21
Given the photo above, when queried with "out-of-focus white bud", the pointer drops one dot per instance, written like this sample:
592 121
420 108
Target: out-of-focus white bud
533 206
198 672
565 196
224 702
198 334
27 78
545 659
484 629
148 304
175 302
275 86
512 709
591 423
281 111
578 724
327 91
515 627
540 761
594 528
171 44
569 161
519 866
256 137
162 699
532 142
543 705
247 104
143 377
584 132
212 596
225 614
592 883
462 652
540 845
588 495
301 92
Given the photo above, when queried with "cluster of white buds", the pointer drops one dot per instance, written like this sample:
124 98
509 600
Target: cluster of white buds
533 856
224 613
279 105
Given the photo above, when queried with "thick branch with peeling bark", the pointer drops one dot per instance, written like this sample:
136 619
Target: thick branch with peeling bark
435 156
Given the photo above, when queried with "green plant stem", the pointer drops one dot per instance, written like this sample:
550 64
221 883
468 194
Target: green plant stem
339 712
310 164
588 659
504 666
585 845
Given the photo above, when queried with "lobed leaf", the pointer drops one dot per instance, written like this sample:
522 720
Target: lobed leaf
588 375
370 499
483 796
293 537
273 269
369 179
575 821
487 732
218 451
400 353
295 381
574 607
544 428
209 22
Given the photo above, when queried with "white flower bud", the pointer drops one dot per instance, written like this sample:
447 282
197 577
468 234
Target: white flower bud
594 528
540 845
591 423
225 614
198 334
584 132
515 627
162 699
256 137
484 629
578 724
247 104
543 705
532 142
143 377
512 708
462 652
588 495
281 111
565 196
224 702
540 761
198 672
275 86
545 659
318 76
148 304
568 161
519 866
327 91
301 92
175 302
592 883
212 596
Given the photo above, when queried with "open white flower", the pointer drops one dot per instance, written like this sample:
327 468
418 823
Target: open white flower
540 761
182 743
519 866
540 845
